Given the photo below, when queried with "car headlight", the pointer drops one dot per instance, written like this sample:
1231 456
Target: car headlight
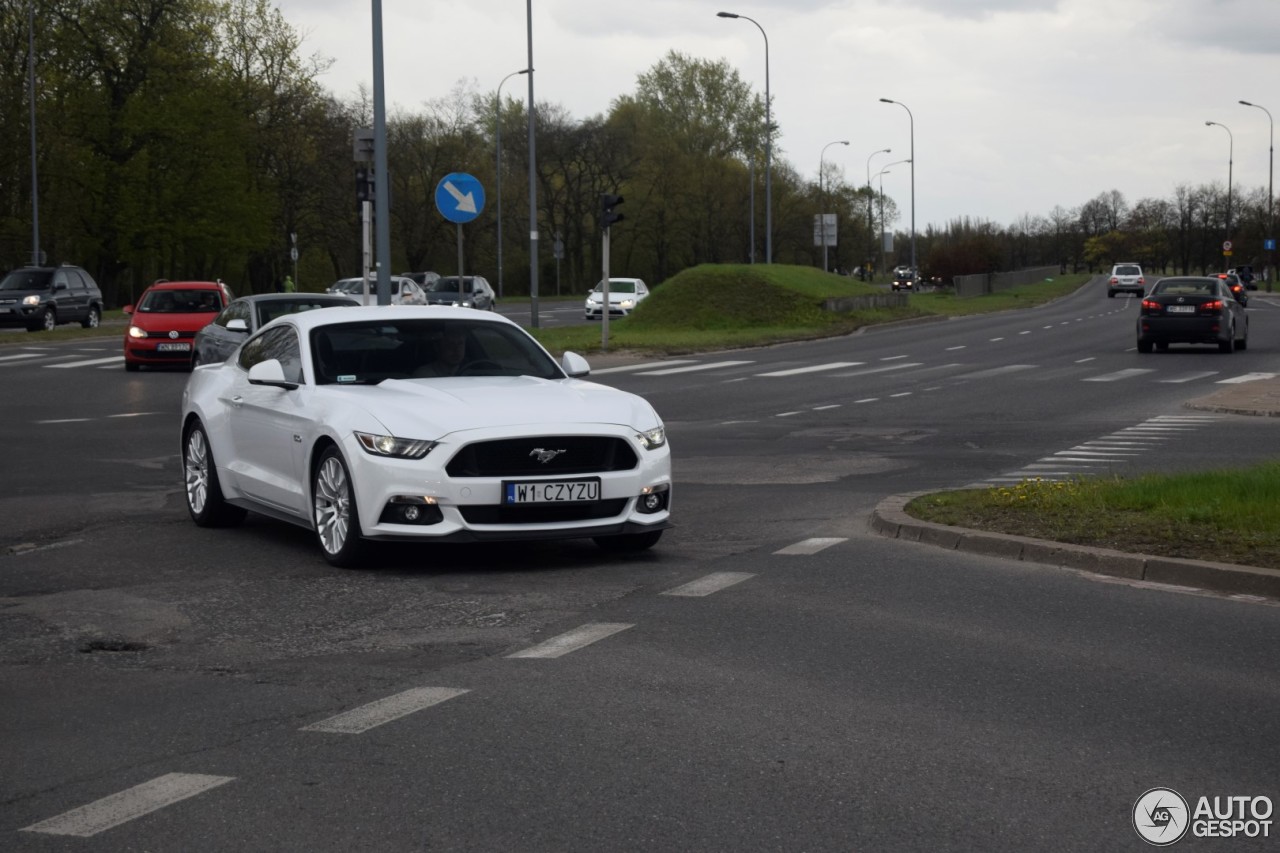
652 439
135 332
31 300
389 445
628 303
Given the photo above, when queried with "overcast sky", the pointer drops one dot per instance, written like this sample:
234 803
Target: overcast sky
1018 105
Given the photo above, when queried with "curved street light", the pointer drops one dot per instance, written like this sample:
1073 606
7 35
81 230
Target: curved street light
822 198
497 143
1271 162
870 207
768 134
884 172
1230 157
912 119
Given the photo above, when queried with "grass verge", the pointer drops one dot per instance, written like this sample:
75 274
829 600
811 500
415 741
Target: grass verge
1225 516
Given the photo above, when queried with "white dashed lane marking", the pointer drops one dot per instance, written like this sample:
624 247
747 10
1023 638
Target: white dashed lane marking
690 368
125 806
711 583
359 720
115 359
809 546
647 365
572 640
813 368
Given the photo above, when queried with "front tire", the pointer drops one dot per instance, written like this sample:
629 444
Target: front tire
205 502
334 512
629 543
47 321
92 319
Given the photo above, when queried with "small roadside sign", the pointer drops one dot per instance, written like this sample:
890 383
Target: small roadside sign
1226 245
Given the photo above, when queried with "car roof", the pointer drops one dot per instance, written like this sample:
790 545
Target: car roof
187 285
336 298
356 313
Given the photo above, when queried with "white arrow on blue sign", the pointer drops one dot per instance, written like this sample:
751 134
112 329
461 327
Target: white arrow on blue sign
459 197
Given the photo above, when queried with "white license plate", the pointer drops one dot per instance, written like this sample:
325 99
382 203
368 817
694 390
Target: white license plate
560 491
178 347
1181 309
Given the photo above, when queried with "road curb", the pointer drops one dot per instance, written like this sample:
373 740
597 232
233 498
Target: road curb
890 519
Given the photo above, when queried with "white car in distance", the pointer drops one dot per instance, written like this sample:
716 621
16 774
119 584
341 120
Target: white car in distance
624 295
420 423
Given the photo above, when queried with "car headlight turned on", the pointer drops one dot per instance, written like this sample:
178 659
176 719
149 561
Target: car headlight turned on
397 448
652 439
31 300
135 332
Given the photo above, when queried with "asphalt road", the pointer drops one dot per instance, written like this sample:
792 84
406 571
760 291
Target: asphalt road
772 676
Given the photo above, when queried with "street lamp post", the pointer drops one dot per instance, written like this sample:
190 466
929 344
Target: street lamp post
871 226
822 198
1231 149
912 119
497 143
884 172
533 183
1271 162
881 175
768 134
31 94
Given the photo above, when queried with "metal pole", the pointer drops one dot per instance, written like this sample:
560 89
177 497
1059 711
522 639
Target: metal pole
768 136
31 89
822 198
883 172
871 225
604 295
1231 153
382 207
753 209
497 144
533 185
912 119
1271 162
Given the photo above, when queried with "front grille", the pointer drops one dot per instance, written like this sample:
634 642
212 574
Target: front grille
518 457
542 513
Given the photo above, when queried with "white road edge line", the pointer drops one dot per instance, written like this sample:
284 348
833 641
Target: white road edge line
573 640
137 801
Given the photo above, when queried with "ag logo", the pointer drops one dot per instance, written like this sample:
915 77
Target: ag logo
1161 816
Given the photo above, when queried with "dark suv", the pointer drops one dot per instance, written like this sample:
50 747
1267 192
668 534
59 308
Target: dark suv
42 297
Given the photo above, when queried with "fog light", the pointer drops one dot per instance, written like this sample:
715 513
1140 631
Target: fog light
653 499
411 509
411 513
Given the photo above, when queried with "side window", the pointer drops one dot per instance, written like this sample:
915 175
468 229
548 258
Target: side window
76 283
280 343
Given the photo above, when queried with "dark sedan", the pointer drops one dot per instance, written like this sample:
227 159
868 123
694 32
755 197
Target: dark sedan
1192 311
474 293
216 341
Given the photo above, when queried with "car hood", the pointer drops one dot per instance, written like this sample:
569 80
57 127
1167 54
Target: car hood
22 294
422 408
172 322
614 296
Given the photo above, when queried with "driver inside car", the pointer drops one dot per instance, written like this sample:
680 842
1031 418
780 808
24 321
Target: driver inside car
450 354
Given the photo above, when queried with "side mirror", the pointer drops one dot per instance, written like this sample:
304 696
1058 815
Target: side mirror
128 309
62 285
574 365
237 325
270 372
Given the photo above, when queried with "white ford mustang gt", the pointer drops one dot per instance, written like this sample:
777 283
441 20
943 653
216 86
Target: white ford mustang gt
420 423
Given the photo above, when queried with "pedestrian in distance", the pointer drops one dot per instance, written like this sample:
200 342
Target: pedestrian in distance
289 286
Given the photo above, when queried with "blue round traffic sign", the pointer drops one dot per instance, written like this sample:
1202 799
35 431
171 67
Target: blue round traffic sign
459 197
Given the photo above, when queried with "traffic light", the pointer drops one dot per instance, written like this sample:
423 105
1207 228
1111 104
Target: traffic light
608 215
364 185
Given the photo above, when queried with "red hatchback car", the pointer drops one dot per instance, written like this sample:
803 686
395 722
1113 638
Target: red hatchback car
164 322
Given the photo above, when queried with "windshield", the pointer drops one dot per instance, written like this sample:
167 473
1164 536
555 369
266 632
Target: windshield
616 286
372 351
180 302
449 285
27 280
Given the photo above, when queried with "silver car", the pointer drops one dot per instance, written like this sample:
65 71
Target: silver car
1126 278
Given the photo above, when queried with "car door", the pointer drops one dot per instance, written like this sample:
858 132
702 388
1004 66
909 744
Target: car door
268 424
63 296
